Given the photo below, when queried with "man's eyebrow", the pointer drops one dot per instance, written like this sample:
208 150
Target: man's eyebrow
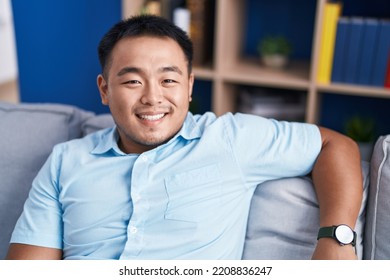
171 69
126 70
130 69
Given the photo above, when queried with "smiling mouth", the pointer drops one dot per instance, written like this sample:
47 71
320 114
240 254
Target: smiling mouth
151 117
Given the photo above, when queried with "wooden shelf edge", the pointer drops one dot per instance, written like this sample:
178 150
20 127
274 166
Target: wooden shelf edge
349 89
9 91
250 71
204 73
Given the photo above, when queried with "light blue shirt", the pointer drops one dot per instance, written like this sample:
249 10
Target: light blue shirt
186 199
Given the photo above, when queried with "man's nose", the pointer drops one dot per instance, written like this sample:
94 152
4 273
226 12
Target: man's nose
152 95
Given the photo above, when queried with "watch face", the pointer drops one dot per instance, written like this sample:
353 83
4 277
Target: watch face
344 234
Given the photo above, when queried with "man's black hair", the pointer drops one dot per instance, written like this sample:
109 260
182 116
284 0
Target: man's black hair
143 25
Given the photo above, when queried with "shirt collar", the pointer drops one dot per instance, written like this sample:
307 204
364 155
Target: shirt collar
108 142
190 129
109 137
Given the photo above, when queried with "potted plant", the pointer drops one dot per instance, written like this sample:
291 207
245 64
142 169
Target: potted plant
274 51
362 130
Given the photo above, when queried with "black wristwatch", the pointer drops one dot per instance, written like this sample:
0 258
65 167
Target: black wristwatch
341 233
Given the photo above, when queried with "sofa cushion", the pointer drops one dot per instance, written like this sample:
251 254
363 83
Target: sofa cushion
284 220
97 122
377 237
28 134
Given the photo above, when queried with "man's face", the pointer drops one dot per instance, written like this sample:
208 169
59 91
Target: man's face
148 89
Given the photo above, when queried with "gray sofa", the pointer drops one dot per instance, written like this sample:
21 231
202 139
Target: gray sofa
283 220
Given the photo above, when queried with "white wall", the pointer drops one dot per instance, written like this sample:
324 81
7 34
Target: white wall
8 62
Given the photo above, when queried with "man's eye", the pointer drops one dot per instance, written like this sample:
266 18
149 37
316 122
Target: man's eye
169 81
132 82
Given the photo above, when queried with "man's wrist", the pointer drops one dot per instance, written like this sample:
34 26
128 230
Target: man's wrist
330 249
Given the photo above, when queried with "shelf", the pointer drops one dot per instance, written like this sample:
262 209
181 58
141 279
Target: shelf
250 71
355 90
204 73
9 91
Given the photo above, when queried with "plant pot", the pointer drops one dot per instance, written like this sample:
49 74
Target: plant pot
276 61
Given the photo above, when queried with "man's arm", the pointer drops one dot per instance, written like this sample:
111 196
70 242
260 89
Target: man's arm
29 252
338 181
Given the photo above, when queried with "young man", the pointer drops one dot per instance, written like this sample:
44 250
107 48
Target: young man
165 184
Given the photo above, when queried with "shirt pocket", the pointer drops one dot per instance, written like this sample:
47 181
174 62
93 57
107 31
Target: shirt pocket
193 195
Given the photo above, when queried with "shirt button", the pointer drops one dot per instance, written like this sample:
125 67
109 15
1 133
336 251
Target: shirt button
133 230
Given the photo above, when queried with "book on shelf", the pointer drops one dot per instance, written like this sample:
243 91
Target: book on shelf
382 54
387 80
367 52
168 8
361 51
332 12
182 18
201 29
353 50
340 49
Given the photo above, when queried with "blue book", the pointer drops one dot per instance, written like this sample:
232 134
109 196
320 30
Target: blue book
381 55
367 52
353 50
340 49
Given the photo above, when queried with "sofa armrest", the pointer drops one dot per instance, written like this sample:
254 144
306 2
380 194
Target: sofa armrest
377 238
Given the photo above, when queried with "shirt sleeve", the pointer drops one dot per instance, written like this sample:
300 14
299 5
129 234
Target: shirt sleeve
269 149
40 223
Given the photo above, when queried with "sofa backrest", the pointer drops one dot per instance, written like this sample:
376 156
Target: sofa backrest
377 238
28 133
284 220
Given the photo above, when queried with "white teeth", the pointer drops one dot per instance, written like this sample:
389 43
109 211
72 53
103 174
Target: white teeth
152 117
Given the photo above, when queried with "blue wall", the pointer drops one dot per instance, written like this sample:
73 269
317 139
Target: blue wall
57 49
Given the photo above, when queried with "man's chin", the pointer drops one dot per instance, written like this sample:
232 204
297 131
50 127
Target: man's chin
144 141
154 142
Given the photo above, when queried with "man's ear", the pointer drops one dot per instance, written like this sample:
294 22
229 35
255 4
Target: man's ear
190 86
103 89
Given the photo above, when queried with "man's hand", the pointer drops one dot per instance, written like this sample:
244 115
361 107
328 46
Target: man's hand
330 249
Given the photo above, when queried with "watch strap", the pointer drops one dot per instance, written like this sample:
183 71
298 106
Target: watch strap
326 232
330 232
